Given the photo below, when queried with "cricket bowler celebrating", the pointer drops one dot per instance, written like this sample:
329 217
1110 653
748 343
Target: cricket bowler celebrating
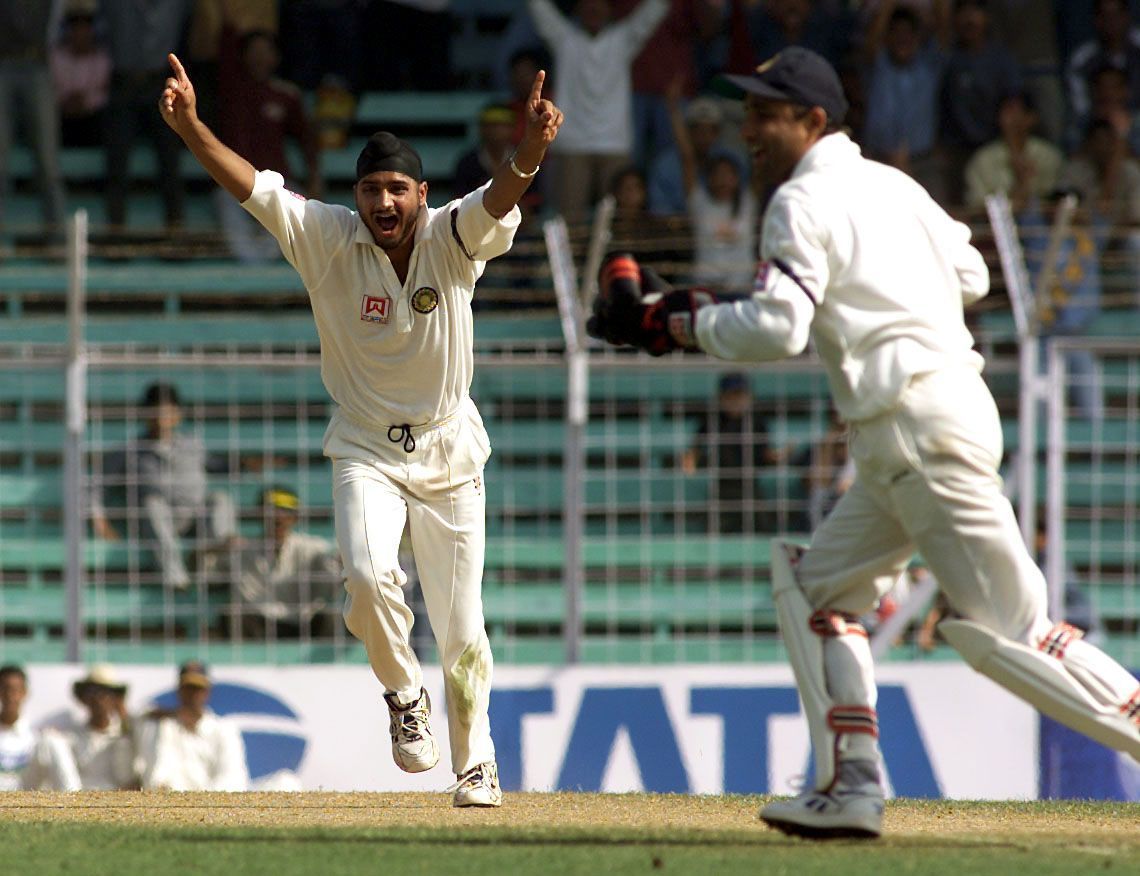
856 256
391 287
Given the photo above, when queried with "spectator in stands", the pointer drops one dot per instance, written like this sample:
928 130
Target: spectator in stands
259 114
17 738
81 73
732 444
827 473
323 38
191 748
660 241
1072 288
777 24
284 579
906 57
1112 102
1028 29
593 56
704 120
139 43
209 23
979 73
163 476
723 212
1018 163
496 142
95 753
26 88
670 53
1116 44
1107 179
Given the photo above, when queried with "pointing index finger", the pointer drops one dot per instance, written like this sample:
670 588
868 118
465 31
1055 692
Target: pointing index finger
536 89
177 67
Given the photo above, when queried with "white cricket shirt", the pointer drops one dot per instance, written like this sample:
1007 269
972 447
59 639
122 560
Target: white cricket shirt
391 353
211 757
17 743
857 255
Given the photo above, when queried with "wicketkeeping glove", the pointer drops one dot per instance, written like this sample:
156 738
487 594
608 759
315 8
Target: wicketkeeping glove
636 306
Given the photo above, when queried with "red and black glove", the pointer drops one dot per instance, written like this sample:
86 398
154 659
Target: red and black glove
636 306
669 321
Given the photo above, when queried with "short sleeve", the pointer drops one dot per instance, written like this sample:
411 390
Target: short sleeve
308 232
479 235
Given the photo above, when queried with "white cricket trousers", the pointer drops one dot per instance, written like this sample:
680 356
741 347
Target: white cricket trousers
927 477
437 488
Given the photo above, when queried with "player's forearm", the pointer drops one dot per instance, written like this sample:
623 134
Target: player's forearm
751 331
228 169
507 187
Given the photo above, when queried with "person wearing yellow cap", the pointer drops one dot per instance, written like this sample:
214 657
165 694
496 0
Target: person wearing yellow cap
285 578
192 748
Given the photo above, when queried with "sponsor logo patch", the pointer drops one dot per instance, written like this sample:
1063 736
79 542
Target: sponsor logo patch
375 308
425 300
761 282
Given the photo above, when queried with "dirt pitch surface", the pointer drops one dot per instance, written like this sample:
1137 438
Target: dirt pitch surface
1100 828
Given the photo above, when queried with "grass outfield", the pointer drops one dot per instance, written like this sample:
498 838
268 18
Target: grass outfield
411 834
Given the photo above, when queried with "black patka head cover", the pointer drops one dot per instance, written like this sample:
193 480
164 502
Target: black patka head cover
385 151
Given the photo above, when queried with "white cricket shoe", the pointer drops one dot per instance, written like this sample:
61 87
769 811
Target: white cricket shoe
479 786
853 809
414 749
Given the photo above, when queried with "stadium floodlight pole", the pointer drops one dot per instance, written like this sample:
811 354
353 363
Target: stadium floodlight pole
1031 385
573 453
76 418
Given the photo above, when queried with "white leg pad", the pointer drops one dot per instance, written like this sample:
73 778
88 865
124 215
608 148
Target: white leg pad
848 727
1043 682
805 653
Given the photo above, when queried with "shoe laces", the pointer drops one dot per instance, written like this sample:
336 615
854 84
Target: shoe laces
473 778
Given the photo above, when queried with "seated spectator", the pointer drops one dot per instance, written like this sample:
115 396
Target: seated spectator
1107 179
661 242
1112 102
1018 164
162 476
1070 299
495 146
906 57
191 748
92 754
777 24
593 56
17 738
723 212
979 73
1116 44
827 471
732 444
81 73
26 93
704 123
283 579
259 114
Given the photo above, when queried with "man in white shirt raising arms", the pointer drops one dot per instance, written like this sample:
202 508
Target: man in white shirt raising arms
857 257
391 287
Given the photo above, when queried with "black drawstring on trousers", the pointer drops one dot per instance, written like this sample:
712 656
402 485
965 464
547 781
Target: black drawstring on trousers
403 433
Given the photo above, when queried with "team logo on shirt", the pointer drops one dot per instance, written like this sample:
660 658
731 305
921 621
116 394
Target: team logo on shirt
375 308
425 300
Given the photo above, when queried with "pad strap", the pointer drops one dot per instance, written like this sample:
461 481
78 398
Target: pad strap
1058 639
853 719
829 624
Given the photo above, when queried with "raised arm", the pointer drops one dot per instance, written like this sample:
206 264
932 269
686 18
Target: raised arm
178 106
514 176
688 156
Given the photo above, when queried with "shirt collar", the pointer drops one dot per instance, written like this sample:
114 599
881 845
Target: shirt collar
827 150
